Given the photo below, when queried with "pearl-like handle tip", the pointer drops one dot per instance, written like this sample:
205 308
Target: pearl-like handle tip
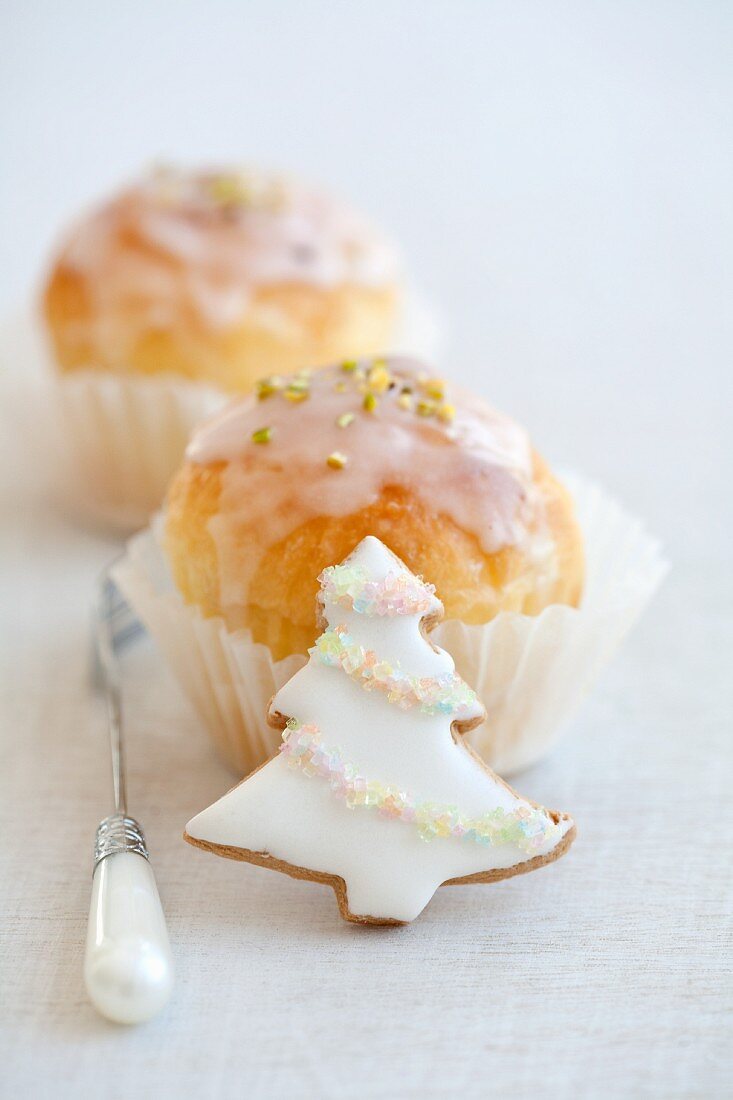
128 967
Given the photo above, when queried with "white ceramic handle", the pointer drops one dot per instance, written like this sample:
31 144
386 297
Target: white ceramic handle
128 968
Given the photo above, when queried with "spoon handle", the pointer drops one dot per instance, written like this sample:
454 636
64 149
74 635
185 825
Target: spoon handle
128 966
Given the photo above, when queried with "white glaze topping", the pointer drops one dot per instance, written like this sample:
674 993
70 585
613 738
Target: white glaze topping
204 241
459 456
390 871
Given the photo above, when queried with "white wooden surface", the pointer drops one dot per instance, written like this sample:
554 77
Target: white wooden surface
584 261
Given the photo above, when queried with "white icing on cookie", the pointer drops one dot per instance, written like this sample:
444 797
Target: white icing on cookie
300 816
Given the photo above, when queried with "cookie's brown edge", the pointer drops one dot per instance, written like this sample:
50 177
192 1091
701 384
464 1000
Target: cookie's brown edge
275 719
264 859
521 868
458 729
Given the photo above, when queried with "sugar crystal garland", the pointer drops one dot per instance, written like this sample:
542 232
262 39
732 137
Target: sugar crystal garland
525 826
445 694
396 594
373 790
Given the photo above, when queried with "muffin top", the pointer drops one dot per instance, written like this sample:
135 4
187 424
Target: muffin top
207 240
328 442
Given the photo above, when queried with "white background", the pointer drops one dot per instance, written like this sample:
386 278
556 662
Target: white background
560 175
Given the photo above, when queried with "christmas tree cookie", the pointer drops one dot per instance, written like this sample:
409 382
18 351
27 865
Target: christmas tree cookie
373 790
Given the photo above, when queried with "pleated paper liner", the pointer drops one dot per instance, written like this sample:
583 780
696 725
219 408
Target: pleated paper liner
103 445
117 441
530 671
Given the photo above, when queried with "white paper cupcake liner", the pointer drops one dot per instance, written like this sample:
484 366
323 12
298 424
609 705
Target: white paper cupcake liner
104 445
530 671
118 440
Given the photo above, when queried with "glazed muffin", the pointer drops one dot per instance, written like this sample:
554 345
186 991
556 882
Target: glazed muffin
219 277
285 482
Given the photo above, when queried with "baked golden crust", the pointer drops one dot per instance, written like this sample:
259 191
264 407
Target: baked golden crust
473 585
286 326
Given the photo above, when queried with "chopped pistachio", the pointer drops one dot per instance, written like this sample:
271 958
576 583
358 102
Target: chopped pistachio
379 378
228 189
349 365
404 401
425 408
370 402
336 460
266 387
297 389
435 388
345 419
262 435
247 188
446 412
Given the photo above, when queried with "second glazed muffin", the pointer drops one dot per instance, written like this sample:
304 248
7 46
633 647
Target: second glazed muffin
280 485
218 277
